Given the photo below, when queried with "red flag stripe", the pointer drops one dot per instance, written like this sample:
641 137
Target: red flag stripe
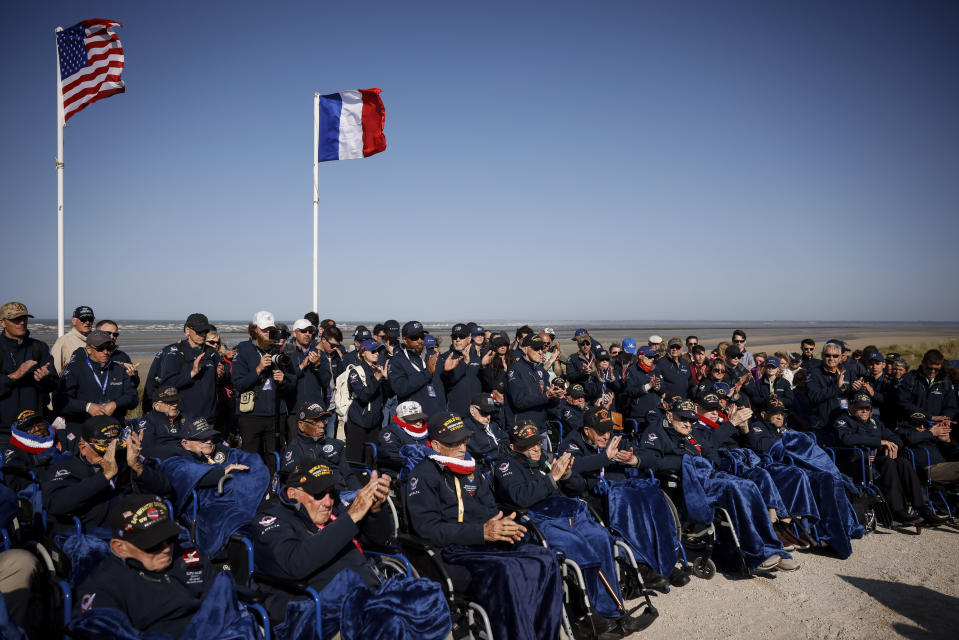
82 99
91 73
374 118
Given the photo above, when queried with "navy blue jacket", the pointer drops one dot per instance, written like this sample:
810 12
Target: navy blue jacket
917 394
662 448
245 378
118 355
85 381
161 434
431 499
852 432
575 366
463 382
526 393
74 487
640 400
411 380
154 601
571 416
392 439
825 396
289 546
521 482
725 436
328 450
197 395
24 393
761 436
312 383
589 463
366 410
597 384
925 441
758 392
677 380
486 441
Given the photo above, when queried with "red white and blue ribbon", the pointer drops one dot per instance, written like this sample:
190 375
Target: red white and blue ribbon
31 443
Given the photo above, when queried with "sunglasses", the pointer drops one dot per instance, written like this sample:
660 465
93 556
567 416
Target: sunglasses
585 342
309 330
739 341
676 346
541 347
85 320
18 320
158 547
105 347
460 336
200 333
719 371
830 355
214 343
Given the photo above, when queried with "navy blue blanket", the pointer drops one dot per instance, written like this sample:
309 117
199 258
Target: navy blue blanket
705 489
519 587
639 513
219 516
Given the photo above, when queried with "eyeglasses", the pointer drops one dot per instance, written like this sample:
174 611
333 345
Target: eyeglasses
541 347
933 367
105 347
331 343
200 333
740 341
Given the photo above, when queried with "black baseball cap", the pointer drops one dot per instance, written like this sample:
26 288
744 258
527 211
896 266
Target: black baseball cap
448 428
27 418
598 419
775 405
860 400
83 312
198 322
200 429
525 434
459 330
484 402
683 408
392 328
362 333
733 351
709 402
309 410
412 329
168 394
143 520
98 431
576 391
533 340
311 475
498 340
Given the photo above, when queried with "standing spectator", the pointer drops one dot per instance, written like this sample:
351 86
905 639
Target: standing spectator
311 386
93 386
528 395
643 386
759 358
462 381
698 367
494 373
674 370
580 365
75 338
27 372
928 390
770 384
260 380
411 374
193 368
739 340
827 388
365 415
553 358
808 348
691 341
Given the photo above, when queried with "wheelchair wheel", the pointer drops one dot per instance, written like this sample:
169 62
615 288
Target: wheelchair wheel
673 510
704 568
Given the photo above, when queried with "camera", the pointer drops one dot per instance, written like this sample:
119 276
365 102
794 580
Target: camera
278 358
209 353
278 333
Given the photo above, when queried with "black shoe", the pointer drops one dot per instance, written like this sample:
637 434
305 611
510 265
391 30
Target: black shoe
930 519
679 577
906 519
632 624
651 579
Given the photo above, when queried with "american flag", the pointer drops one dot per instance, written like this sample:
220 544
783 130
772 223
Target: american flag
91 61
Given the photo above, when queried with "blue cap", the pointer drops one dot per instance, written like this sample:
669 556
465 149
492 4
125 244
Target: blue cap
362 334
580 332
413 329
629 346
429 342
772 361
477 331
875 356
645 350
371 345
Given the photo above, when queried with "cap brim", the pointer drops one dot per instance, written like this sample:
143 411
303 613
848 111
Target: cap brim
686 414
413 417
315 486
146 538
455 437
526 443
209 434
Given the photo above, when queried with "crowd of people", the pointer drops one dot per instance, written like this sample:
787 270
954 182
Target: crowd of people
322 432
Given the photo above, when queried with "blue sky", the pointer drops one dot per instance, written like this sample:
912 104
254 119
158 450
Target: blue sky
567 160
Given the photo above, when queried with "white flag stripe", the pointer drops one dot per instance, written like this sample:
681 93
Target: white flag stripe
86 71
351 125
92 82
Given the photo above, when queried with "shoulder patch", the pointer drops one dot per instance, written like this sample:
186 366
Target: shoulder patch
86 602
413 482
387 436
191 557
327 448
266 521
573 447
289 455
651 437
504 467
61 473
510 374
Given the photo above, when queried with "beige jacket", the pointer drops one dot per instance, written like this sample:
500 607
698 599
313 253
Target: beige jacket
64 347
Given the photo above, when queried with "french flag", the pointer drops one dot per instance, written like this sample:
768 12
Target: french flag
351 125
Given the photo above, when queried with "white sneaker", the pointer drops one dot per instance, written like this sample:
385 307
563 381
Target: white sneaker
769 563
787 564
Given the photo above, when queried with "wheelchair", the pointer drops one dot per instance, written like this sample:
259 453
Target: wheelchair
870 506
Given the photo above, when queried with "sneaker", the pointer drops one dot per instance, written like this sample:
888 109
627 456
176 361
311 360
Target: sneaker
784 538
769 563
787 564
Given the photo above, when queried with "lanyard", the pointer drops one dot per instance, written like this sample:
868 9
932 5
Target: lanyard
406 352
106 378
459 499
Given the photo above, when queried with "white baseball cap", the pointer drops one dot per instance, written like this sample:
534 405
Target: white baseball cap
654 339
410 411
301 324
264 320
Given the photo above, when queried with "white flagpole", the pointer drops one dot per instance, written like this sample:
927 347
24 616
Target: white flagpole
316 197
60 127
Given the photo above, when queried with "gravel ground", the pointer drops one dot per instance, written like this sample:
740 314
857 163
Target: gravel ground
894 585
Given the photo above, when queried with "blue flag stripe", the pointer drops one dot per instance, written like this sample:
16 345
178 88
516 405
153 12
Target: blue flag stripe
329 144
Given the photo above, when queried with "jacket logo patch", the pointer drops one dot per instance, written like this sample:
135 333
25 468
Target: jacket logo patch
61 473
414 482
87 601
192 557
328 448
504 467
387 436
651 437
266 521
